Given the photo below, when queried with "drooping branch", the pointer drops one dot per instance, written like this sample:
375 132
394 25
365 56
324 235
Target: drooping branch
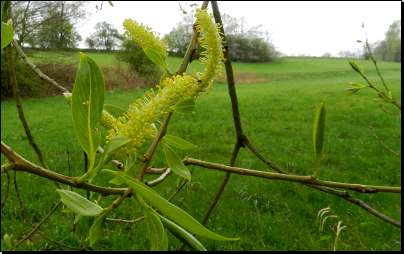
38 71
23 120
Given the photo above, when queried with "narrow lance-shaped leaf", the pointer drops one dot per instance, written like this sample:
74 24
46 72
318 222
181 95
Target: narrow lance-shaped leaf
87 104
113 146
157 59
175 163
182 235
186 106
355 67
79 204
318 133
178 142
173 212
97 228
115 111
7 34
157 234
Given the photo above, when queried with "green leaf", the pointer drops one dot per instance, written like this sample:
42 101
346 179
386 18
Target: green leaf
113 146
175 163
355 67
78 217
162 78
4 9
178 142
155 57
79 204
157 234
97 228
110 3
173 212
182 235
185 107
351 91
7 34
318 131
87 104
67 210
115 111
357 85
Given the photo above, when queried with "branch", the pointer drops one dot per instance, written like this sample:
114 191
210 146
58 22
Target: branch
292 178
41 75
16 92
21 164
377 138
38 225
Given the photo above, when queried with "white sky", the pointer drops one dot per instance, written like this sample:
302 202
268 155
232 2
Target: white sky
310 28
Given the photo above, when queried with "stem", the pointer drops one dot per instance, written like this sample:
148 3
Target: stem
16 92
38 225
40 74
24 165
292 178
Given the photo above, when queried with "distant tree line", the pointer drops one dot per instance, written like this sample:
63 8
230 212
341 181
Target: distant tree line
247 45
47 24
389 49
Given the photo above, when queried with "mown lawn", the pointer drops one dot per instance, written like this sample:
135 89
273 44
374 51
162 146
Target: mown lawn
277 110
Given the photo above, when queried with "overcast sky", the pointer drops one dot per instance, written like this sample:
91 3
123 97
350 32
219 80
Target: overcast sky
309 28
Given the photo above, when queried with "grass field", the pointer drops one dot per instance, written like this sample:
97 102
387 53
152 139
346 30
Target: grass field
277 103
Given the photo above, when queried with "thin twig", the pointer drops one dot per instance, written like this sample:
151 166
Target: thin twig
39 72
6 192
16 92
377 138
38 225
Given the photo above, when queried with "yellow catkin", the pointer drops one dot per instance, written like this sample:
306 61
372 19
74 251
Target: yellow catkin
143 113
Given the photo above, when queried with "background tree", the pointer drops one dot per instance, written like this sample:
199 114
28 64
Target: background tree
390 48
179 37
37 21
134 55
105 37
247 45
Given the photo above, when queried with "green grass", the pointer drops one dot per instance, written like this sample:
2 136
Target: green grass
277 116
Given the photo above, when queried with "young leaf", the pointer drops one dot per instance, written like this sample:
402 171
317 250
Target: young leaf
173 212
155 57
157 234
351 91
87 104
97 228
79 204
178 142
186 106
7 34
318 133
115 111
175 163
355 67
182 235
113 145
357 85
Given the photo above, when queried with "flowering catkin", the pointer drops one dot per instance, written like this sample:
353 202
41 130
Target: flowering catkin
138 123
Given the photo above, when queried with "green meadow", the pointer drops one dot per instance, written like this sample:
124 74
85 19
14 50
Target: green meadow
277 105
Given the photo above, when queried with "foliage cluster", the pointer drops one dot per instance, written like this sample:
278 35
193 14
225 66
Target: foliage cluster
105 37
133 54
47 24
389 49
